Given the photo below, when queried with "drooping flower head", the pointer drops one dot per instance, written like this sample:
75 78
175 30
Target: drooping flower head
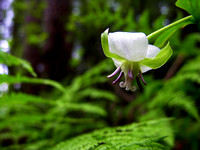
133 55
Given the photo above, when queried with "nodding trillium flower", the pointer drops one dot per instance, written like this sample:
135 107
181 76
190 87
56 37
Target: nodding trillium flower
132 55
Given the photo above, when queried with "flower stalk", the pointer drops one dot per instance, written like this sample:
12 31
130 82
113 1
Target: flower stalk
185 21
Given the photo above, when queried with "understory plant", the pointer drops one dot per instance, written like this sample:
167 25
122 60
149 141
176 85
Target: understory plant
82 114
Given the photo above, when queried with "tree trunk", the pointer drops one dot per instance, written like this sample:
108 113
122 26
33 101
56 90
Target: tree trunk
57 50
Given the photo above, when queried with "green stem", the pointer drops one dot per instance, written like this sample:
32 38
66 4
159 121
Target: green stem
156 33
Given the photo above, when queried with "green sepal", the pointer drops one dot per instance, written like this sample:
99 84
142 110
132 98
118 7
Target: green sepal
160 59
105 46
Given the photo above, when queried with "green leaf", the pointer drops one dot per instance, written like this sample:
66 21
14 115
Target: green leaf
163 37
191 6
105 46
11 60
160 59
20 79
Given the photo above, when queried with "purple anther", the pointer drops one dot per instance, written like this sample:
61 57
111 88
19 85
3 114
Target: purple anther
118 78
141 77
130 74
114 73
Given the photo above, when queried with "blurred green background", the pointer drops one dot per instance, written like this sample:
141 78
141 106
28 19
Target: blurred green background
61 40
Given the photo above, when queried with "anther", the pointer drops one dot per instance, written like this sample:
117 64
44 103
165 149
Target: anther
130 74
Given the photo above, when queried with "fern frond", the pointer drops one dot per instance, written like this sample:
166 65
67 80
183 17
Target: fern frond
11 60
21 79
145 135
175 99
97 94
82 107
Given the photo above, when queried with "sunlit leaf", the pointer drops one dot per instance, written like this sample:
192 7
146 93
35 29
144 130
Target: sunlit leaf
191 6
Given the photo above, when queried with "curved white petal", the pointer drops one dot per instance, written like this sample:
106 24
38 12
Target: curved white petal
131 46
117 63
144 68
152 51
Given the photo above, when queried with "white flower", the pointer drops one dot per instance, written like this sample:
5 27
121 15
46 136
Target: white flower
133 55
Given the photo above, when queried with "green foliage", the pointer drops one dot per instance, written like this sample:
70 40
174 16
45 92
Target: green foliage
35 35
162 39
187 47
52 120
70 111
11 60
176 96
85 85
154 134
162 35
20 79
191 6
101 9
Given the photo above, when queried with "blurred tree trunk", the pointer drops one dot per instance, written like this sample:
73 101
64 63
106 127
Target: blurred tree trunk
33 23
39 36
57 50
50 60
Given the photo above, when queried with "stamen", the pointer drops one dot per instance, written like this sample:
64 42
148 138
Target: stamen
130 74
114 73
122 84
141 77
138 82
118 78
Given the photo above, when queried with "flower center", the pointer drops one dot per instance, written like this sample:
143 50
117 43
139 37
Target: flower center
131 71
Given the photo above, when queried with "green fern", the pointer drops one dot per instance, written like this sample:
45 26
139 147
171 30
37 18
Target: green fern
171 94
85 85
60 117
36 119
22 79
145 135
11 60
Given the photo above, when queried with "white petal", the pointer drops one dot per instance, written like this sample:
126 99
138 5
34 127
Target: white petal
144 68
152 51
131 46
117 63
